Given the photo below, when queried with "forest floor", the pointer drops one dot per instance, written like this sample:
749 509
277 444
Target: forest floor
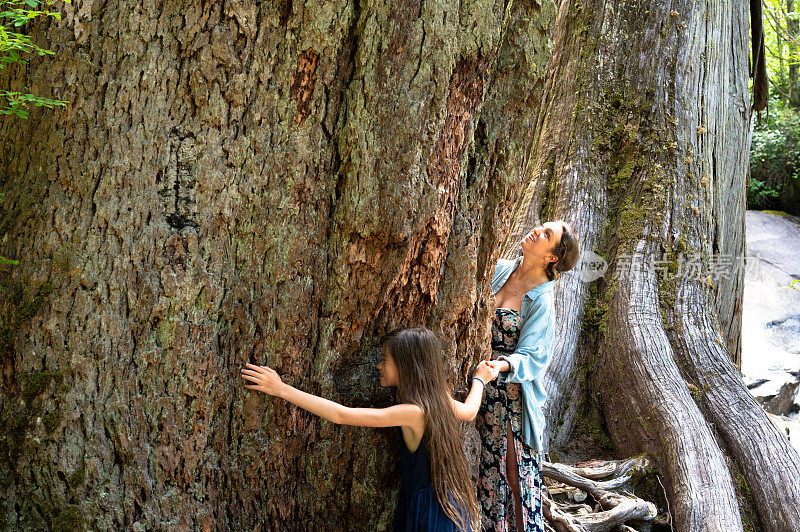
771 317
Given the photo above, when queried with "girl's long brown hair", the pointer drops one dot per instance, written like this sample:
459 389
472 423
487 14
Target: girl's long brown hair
422 376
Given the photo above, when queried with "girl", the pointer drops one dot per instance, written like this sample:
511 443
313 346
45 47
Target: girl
511 422
436 492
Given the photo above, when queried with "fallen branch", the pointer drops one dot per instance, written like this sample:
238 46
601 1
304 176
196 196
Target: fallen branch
615 505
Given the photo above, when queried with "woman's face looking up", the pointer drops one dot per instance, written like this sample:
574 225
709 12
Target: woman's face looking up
539 242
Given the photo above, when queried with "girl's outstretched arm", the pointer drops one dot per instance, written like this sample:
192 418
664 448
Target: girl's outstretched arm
467 410
267 380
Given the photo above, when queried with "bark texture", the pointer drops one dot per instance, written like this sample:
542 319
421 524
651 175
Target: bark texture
279 183
642 144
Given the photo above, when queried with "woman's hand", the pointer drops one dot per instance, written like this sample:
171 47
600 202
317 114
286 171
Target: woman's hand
265 378
485 372
499 365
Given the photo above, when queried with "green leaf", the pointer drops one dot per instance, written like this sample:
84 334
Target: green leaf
15 45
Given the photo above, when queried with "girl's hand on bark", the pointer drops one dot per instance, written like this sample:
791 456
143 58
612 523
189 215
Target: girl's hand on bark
265 378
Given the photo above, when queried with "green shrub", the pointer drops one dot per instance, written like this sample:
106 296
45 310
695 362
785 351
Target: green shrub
760 195
775 159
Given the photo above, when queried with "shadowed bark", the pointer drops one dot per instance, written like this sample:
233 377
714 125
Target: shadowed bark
240 181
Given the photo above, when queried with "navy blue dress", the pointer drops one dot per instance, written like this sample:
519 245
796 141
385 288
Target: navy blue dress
418 509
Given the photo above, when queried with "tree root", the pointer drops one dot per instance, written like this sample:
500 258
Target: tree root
605 483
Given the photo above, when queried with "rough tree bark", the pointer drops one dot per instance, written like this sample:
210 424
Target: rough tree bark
270 182
283 183
642 144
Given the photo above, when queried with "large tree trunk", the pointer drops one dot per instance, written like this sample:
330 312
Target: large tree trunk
642 144
282 184
239 182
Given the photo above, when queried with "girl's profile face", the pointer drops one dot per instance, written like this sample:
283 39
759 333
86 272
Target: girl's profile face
387 369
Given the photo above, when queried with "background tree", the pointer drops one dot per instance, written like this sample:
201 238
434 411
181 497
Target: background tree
774 159
782 36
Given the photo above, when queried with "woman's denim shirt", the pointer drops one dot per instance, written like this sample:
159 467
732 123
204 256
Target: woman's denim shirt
532 354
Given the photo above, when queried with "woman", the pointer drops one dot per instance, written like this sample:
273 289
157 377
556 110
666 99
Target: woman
511 420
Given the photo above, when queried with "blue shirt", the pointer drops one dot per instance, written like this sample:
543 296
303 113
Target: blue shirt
533 352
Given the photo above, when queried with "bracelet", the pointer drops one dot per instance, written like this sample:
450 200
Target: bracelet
479 380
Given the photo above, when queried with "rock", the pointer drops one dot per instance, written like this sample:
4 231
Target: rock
756 384
782 404
578 496
770 320
790 427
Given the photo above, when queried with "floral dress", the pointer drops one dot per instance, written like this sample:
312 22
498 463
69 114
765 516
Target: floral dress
503 403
